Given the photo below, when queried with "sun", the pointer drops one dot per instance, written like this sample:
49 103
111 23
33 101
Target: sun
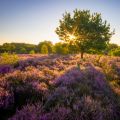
71 36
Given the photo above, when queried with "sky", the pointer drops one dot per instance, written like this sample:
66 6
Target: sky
33 21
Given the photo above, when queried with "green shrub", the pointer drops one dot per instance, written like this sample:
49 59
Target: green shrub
115 52
32 52
8 59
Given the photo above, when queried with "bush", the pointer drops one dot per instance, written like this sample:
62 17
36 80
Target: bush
32 52
115 52
8 59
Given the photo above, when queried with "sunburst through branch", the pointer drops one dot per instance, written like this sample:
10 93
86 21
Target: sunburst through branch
71 36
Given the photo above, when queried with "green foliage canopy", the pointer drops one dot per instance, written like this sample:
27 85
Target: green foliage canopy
61 48
46 43
115 52
84 30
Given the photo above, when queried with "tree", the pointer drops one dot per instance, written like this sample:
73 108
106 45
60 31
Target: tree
22 50
26 48
115 52
112 46
61 48
7 47
85 30
17 48
32 52
73 49
44 49
48 44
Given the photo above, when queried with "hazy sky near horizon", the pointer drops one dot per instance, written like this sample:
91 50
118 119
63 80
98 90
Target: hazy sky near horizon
32 21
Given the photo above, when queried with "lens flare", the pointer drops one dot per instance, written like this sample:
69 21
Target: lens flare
71 36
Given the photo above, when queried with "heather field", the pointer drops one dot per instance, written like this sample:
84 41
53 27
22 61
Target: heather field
59 60
57 87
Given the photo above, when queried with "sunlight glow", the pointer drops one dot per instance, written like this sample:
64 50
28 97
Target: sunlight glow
71 36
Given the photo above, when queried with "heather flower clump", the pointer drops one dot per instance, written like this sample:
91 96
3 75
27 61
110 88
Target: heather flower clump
57 87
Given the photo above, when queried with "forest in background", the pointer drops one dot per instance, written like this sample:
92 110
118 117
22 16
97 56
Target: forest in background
47 47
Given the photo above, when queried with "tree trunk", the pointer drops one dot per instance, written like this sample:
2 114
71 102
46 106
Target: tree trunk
81 55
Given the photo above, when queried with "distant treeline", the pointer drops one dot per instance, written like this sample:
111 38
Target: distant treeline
47 47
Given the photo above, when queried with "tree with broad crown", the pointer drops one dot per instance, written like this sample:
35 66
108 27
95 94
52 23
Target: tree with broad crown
85 30
46 43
